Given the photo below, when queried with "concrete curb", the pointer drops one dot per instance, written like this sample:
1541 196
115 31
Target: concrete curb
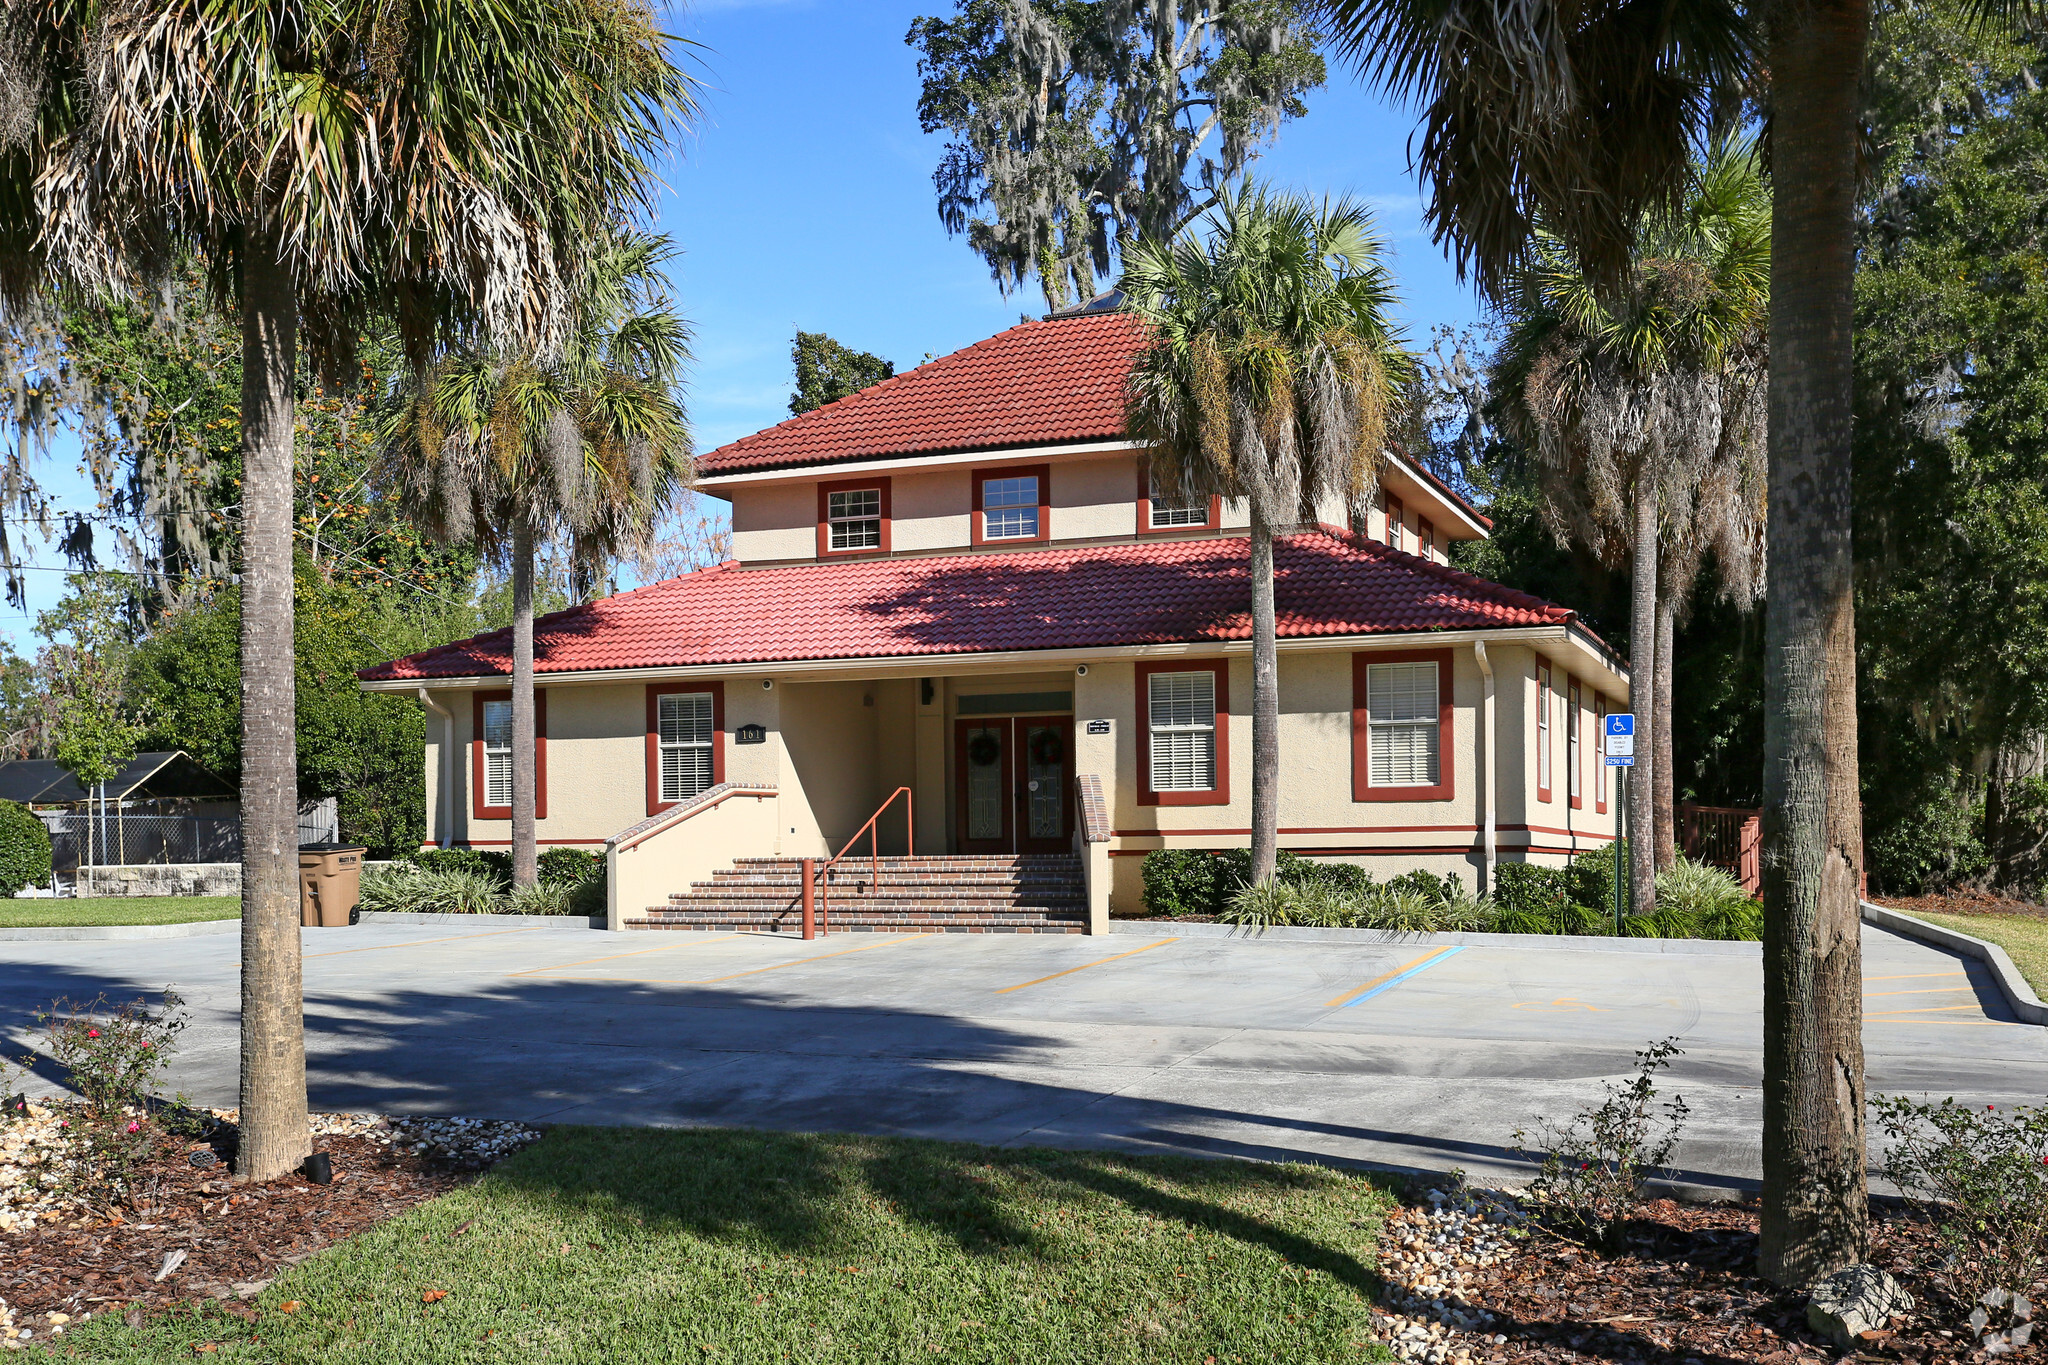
1655 947
2025 1004
431 917
75 933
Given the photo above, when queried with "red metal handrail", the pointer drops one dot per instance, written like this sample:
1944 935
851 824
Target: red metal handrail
821 879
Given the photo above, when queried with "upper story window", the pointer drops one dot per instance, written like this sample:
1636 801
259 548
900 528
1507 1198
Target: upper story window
1011 504
1543 695
1172 506
1571 747
1425 537
1395 512
853 517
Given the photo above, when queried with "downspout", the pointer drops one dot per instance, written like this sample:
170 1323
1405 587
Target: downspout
447 774
1484 746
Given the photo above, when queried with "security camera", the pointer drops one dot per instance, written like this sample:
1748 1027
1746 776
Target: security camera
1081 670
767 684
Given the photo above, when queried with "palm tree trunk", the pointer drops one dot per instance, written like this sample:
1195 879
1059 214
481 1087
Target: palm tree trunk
1815 1197
1642 693
275 1135
525 857
1265 706
1661 778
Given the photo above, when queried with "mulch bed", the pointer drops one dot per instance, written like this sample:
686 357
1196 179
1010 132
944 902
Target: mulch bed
1688 1292
236 1237
1964 903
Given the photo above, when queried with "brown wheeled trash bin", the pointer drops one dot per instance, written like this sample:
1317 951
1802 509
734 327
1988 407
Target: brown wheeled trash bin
330 883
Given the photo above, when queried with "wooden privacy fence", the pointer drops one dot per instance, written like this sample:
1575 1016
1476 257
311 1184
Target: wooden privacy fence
1728 837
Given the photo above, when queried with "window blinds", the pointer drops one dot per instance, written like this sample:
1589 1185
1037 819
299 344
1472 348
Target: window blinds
497 753
685 744
1183 725
1401 712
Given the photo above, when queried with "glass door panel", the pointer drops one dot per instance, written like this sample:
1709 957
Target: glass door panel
983 768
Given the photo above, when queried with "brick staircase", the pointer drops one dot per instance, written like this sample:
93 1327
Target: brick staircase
1032 893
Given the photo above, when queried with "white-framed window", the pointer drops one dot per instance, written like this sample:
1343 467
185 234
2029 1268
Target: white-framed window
684 738
1425 538
1395 513
1571 745
498 753
1543 730
1174 507
854 519
1182 723
1009 508
1403 718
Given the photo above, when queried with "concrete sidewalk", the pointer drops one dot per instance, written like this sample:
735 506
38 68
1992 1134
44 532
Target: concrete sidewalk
1400 1054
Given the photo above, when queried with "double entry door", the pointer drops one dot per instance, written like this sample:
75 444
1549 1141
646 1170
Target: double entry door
1013 784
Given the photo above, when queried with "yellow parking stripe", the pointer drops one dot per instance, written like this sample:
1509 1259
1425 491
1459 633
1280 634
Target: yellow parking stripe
682 942
1923 990
1941 1009
1159 943
415 943
1384 976
1914 976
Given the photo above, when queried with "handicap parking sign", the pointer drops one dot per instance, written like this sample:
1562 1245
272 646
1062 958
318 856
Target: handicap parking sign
1621 740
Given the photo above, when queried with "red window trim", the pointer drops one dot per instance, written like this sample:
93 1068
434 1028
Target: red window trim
1395 511
1145 526
978 521
478 810
1425 537
1544 759
656 691
825 491
1573 725
1599 757
1221 795
1362 788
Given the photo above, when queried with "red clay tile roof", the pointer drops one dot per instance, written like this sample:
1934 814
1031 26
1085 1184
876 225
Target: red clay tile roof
1039 383
1159 592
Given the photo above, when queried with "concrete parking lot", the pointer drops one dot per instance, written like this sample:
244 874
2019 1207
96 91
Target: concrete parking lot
1414 1053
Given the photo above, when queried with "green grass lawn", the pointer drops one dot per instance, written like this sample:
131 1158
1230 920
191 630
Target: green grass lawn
629 1245
55 914
2023 936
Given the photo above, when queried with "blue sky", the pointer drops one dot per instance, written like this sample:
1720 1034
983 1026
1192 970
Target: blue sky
804 200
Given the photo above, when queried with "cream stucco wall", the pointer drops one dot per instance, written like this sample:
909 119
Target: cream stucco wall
836 748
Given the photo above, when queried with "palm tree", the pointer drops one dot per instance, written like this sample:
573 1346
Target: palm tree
1585 115
1268 378
1641 406
587 446
448 166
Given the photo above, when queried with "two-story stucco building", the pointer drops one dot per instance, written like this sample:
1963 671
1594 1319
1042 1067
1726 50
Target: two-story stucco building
959 582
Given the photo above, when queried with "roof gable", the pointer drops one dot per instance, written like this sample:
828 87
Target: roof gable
1052 381
1101 596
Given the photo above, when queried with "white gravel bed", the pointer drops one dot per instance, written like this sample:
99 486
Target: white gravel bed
1425 1256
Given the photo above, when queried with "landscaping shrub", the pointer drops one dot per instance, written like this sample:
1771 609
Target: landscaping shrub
1981 1176
490 862
1430 886
24 849
1346 879
1698 888
568 866
1531 889
1268 903
1179 881
542 898
587 897
1589 877
454 891
114 1055
1596 1166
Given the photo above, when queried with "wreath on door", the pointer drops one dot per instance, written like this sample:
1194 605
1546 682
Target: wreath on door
1047 747
984 750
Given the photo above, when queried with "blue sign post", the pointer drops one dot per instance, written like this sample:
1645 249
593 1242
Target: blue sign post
1619 746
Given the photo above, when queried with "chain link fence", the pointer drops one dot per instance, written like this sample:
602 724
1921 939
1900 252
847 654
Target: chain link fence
119 837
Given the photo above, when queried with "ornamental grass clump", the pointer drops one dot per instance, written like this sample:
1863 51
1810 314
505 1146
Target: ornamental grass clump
114 1055
456 891
1981 1177
1596 1168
